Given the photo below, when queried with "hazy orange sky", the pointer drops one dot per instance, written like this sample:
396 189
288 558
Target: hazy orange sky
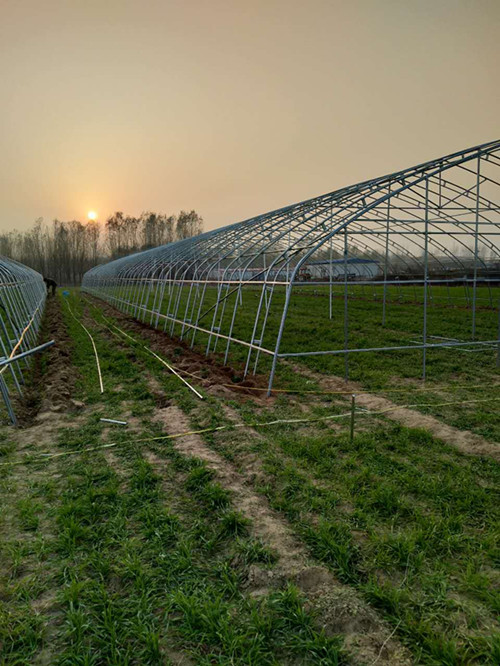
232 108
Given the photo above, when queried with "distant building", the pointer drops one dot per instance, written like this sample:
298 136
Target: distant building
243 274
357 269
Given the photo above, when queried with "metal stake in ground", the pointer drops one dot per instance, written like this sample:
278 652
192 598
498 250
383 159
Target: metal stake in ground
353 410
498 347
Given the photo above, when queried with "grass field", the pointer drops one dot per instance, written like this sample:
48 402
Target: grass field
285 544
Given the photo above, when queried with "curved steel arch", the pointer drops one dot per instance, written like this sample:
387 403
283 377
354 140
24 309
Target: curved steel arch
22 299
410 223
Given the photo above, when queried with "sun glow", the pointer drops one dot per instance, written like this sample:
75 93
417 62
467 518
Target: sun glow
92 215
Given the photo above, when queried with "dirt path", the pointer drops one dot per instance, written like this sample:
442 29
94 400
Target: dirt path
464 440
340 609
51 377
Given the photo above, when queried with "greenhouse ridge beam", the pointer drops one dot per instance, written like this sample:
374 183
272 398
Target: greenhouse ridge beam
433 224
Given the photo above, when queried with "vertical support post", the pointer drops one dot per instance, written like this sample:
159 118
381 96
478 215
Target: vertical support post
498 336
6 353
331 280
233 319
346 311
353 411
426 276
280 333
255 325
160 301
466 289
200 305
6 397
263 327
476 249
386 259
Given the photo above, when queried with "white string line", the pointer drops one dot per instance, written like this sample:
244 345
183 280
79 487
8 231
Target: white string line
93 345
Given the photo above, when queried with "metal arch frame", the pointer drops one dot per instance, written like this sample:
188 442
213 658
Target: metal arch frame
22 300
407 219
475 153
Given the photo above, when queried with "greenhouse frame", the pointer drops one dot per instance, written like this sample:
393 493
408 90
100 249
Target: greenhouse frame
424 231
22 300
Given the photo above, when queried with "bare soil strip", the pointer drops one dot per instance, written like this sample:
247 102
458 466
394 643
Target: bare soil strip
213 373
464 440
49 392
340 609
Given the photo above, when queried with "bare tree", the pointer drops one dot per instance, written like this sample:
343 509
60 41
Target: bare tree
188 224
157 229
66 250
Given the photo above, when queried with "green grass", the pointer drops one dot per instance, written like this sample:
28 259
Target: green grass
404 518
108 557
118 561
407 520
141 573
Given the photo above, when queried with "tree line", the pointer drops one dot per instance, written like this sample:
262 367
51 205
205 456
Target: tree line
64 251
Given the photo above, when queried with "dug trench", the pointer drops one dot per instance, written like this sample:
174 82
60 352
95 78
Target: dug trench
50 382
209 370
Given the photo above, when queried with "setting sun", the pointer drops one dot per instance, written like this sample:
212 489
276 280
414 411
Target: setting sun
92 215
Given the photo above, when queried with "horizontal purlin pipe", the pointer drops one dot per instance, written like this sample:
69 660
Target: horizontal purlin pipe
377 349
13 359
320 283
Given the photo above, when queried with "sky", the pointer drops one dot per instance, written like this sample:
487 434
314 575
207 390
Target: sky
232 108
